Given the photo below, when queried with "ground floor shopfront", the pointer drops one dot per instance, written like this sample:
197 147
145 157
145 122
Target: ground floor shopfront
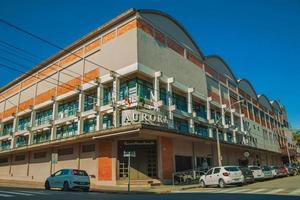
158 155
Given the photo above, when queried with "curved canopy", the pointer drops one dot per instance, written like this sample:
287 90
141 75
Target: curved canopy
263 100
246 86
220 66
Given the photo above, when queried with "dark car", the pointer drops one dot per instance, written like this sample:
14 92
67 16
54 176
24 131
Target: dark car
248 175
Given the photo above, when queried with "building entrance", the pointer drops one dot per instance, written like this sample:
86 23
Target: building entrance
144 165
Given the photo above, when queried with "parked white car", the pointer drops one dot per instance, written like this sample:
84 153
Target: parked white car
257 172
222 176
68 179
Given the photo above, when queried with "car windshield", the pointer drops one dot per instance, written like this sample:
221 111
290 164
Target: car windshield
231 169
79 173
254 168
266 168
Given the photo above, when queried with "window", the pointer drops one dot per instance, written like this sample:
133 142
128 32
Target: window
24 123
41 136
201 130
43 117
67 109
107 95
40 155
67 130
21 141
5 144
3 160
128 89
144 89
88 148
229 138
181 125
163 95
199 109
217 170
203 163
66 151
227 120
183 163
209 172
7 129
89 101
20 157
107 121
89 125
180 102
232 169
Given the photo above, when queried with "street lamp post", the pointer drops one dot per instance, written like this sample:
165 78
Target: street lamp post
216 124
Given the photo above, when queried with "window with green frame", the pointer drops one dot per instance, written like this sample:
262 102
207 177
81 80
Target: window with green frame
227 120
67 130
41 136
229 138
107 95
199 109
24 123
180 102
144 89
89 125
43 117
201 130
5 144
89 101
67 109
163 95
221 135
181 125
107 121
128 89
7 129
239 138
21 141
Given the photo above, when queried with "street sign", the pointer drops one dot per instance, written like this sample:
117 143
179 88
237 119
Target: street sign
129 154
246 154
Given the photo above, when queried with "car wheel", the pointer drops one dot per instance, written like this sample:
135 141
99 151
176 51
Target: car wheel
202 184
66 186
86 189
47 185
222 184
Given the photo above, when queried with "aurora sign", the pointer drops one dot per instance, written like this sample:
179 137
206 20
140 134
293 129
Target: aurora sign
144 116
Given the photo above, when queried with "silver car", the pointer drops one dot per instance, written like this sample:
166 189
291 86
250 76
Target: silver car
68 179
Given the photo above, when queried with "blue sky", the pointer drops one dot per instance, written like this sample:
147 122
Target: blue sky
258 39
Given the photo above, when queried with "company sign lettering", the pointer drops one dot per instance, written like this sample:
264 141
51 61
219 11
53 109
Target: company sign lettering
144 116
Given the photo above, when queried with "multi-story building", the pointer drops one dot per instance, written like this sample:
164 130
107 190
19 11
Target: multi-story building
138 83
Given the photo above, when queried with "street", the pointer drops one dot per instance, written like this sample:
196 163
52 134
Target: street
282 188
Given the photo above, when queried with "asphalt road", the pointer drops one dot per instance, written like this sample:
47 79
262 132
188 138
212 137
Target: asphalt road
278 189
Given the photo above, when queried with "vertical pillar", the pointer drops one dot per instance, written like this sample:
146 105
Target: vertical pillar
157 75
54 116
223 121
80 110
32 124
170 101
99 118
115 97
208 115
15 123
190 109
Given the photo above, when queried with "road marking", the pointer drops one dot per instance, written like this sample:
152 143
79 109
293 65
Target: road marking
225 190
255 191
32 192
274 191
295 192
18 193
6 195
238 191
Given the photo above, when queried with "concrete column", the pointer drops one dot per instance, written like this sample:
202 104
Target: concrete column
115 98
208 115
156 93
234 136
99 118
15 123
54 116
242 122
190 109
223 114
170 101
80 110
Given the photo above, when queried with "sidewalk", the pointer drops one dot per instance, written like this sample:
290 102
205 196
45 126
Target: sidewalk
105 189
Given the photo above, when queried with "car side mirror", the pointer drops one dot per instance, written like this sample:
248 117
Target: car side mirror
52 175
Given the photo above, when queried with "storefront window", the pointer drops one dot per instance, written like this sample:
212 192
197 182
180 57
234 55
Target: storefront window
23 123
67 130
89 101
107 121
180 102
89 125
41 136
181 125
239 139
67 109
43 117
128 89
21 141
5 144
7 129
203 163
199 109
201 130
